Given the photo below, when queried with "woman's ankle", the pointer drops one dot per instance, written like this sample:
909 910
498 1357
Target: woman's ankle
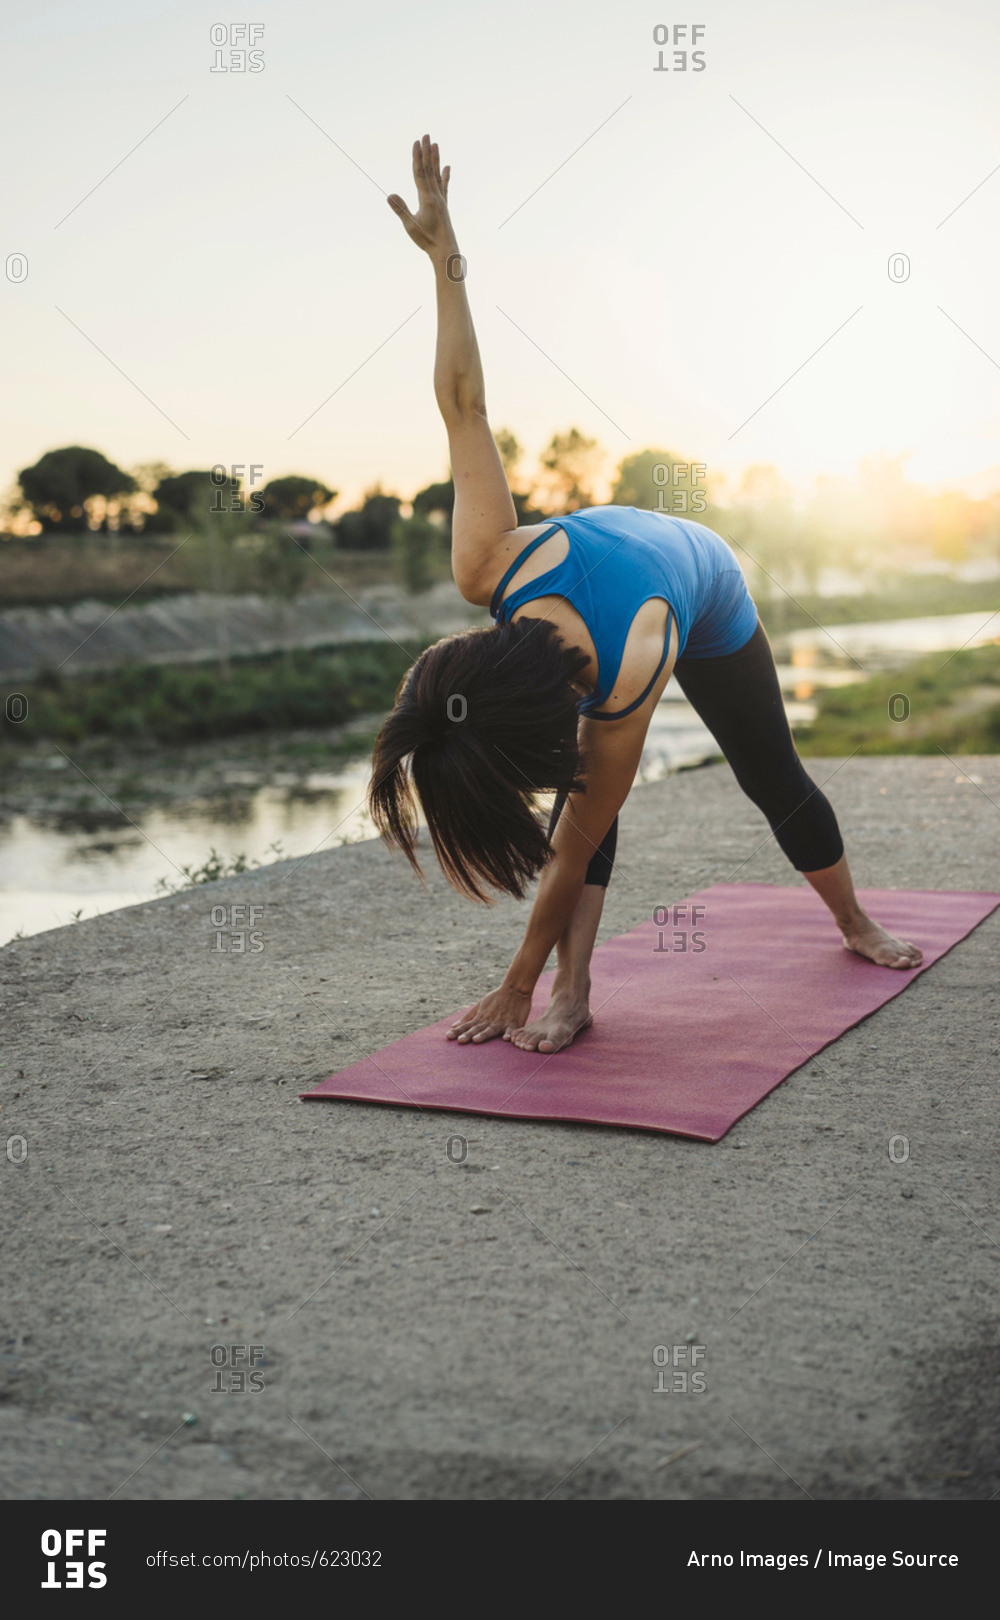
571 986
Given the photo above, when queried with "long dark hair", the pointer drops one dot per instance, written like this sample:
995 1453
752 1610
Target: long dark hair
482 721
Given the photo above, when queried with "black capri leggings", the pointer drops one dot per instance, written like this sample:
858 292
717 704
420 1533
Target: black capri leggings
739 699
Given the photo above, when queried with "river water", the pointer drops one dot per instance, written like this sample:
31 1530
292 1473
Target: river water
50 873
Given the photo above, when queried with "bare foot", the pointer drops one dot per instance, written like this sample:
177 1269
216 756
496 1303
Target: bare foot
870 939
564 1017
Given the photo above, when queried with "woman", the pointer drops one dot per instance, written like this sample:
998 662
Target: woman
594 613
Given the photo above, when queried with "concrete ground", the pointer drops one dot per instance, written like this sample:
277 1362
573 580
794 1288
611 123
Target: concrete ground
492 1327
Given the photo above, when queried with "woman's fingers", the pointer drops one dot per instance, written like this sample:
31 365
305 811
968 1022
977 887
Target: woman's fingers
483 1031
499 1013
474 1027
426 165
465 1022
475 1032
426 171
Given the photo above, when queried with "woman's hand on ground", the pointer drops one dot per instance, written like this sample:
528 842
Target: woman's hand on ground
500 1013
430 227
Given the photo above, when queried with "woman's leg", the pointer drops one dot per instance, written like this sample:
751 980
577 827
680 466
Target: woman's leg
739 699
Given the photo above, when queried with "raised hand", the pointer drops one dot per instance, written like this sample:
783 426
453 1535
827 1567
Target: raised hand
430 227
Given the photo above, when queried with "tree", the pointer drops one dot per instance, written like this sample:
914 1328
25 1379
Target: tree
184 497
510 451
292 498
572 462
370 527
420 551
659 481
148 474
436 498
57 488
527 513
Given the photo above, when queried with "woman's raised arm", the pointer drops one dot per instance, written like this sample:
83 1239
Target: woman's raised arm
484 511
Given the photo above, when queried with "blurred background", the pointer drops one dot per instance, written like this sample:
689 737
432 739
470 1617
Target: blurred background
737 269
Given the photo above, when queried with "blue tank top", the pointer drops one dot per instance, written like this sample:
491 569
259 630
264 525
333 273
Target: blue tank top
620 557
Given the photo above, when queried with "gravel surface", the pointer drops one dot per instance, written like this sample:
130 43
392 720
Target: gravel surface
491 1327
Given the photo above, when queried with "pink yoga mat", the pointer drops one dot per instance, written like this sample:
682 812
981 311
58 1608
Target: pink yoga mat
698 1014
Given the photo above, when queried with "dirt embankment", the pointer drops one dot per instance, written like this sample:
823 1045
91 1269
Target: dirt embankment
201 625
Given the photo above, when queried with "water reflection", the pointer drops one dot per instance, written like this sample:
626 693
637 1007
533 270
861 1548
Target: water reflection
881 644
54 867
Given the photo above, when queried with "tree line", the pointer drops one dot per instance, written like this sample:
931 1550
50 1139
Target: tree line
874 519
77 490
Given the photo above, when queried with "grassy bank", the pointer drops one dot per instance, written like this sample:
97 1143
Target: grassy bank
299 687
938 702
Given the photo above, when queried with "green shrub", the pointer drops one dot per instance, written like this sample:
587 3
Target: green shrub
173 703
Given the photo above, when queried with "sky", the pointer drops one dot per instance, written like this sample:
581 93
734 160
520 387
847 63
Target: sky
787 255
